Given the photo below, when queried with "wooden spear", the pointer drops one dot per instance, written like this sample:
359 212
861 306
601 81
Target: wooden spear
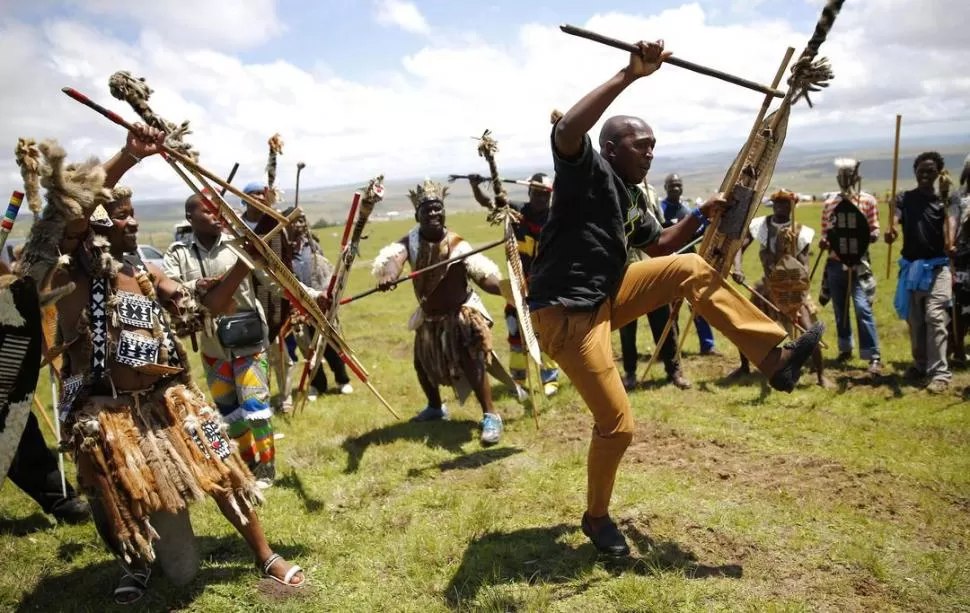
892 197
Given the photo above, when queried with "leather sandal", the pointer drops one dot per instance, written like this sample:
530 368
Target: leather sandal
273 559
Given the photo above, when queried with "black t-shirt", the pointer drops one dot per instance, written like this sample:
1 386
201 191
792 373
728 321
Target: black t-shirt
594 217
922 220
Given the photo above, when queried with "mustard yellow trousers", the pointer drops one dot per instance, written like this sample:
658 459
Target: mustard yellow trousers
579 340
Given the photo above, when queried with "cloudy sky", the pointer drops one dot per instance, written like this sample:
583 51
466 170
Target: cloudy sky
358 88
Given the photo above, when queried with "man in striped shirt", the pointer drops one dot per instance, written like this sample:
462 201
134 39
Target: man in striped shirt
863 281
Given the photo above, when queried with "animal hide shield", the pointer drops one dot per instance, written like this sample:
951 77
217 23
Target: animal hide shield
849 234
20 339
756 170
788 284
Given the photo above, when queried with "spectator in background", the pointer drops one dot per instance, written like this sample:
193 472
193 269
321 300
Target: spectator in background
924 289
313 270
836 279
673 210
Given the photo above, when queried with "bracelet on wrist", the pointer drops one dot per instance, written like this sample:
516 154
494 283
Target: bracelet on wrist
696 212
132 155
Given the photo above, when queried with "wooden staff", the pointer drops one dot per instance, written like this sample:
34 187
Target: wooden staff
818 259
232 175
675 61
848 292
417 273
948 239
299 168
892 197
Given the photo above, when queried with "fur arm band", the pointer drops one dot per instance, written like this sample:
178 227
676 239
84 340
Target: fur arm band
479 267
389 262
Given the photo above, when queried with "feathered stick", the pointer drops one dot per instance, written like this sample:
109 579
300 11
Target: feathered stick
362 207
501 212
275 149
751 172
28 159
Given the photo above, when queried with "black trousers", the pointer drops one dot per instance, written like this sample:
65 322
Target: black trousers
336 365
668 352
34 468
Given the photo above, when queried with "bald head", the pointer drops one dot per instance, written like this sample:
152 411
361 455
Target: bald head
619 126
627 143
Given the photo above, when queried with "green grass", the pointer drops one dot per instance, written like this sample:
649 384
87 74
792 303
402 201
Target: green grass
850 499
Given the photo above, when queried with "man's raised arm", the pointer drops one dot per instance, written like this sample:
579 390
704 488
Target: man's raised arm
581 118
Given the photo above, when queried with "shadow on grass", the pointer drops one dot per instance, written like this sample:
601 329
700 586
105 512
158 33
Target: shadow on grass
91 588
22 526
293 481
856 378
540 555
469 461
450 435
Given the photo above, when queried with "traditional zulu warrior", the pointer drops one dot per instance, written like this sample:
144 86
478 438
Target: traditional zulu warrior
145 441
453 340
783 251
527 232
850 221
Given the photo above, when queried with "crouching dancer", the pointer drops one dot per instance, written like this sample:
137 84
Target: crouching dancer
145 441
581 288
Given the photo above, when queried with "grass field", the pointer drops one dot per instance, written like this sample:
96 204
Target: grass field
734 497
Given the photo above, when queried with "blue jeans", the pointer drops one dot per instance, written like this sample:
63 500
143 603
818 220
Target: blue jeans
705 335
838 280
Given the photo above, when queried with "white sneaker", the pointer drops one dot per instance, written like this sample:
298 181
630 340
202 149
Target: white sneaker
491 429
521 394
550 389
312 394
264 484
346 388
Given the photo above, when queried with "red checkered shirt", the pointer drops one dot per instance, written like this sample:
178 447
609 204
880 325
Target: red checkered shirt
866 203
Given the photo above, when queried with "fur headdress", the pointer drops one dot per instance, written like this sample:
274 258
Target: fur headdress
429 191
847 174
100 215
73 192
785 194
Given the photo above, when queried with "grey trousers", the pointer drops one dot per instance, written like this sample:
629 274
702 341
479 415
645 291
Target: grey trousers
928 321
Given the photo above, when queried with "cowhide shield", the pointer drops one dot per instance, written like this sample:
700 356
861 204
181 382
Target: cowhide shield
849 235
20 335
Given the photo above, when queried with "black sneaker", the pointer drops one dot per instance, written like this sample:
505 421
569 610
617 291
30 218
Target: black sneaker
787 376
71 510
608 540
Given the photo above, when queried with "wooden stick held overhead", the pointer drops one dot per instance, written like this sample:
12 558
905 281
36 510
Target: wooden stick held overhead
675 61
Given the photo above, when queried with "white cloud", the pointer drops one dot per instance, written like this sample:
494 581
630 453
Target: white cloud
402 14
419 118
232 24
